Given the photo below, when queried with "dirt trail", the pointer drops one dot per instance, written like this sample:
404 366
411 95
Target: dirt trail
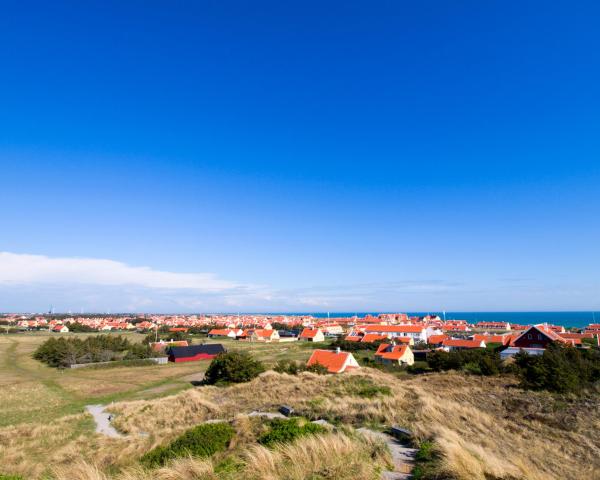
102 419
402 456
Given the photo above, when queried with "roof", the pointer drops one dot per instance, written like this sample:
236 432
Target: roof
266 333
216 331
309 332
503 339
332 360
190 351
545 330
353 338
435 339
395 328
373 337
457 343
391 352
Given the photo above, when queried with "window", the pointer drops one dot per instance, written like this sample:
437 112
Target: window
539 336
529 336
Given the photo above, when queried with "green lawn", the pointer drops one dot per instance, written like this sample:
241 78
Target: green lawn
31 392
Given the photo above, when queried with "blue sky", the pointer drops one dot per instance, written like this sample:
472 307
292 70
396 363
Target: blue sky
268 156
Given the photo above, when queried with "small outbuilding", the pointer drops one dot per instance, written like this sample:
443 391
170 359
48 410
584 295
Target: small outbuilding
195 352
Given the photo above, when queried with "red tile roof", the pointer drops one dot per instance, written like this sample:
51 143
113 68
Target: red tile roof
333 361
373 337
395 328
309 333
457 343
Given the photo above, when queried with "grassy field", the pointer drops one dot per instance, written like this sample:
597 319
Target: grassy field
33 392
483 428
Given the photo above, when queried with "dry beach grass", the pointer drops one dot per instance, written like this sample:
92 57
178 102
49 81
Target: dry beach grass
483 428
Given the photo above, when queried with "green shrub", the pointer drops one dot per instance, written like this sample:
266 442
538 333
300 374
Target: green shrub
10 477
287 430
363 387
317 368
347 346
233 367
477 361
63 352
290 367
426 462
201 441
561 369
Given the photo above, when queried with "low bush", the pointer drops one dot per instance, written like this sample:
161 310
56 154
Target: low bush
363 387
201 441
347 346
560 369
63 352
426 462
233 367
287 430
476 361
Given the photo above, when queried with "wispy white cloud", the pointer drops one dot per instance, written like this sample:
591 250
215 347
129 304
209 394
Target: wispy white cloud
25 269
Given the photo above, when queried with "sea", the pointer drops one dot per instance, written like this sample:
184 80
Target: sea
566 319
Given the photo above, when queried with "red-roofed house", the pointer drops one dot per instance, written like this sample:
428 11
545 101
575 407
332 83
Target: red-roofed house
335 361
215 332
503 339
417 332
437 340
395 354
264 335
373 337
457 344
538 336
312 335
60 329
354 336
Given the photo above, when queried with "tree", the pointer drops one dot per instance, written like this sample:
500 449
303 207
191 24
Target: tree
233 367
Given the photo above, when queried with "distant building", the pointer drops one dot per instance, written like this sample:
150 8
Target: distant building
312 335
452 344
538 336
395 354
195 352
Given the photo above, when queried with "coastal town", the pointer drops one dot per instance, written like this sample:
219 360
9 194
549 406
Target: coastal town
400 339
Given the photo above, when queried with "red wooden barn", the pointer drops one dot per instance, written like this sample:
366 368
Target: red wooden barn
195 352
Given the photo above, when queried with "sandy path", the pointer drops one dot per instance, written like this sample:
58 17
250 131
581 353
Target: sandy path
402 456
102 420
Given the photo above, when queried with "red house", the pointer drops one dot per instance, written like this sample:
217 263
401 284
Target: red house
195 352
538 336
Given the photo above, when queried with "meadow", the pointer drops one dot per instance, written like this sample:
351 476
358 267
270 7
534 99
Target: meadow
479 427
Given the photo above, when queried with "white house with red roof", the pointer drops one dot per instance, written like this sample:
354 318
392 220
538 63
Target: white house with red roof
264 335
452 344
312 335
419 333
388 353
335 361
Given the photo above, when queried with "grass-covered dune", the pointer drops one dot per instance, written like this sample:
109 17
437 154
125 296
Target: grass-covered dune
467 426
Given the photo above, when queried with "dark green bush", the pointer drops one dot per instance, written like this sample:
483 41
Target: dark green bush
201 441
426 461
290 367
476 361
287 430
63 352
347 346
560 369
317 368
233 367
